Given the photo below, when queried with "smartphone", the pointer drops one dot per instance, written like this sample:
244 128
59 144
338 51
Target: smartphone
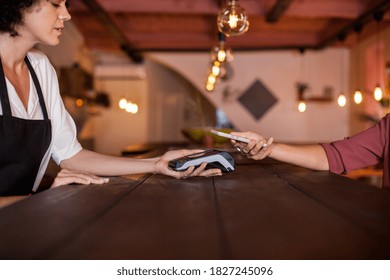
230 136
234 137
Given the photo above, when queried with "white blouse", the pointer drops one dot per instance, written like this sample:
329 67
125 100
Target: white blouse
64 143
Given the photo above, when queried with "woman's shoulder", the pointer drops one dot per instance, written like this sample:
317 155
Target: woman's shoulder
38 58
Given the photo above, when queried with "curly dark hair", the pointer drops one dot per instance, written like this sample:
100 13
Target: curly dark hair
11 14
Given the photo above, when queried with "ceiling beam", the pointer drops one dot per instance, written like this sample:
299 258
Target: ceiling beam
357 24
114 30
277 10
221 4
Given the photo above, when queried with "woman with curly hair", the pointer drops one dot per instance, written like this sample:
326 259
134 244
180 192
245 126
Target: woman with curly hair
34 125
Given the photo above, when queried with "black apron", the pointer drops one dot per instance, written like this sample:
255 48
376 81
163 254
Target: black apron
23 143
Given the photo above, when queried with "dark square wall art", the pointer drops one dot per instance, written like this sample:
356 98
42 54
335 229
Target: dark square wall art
257 99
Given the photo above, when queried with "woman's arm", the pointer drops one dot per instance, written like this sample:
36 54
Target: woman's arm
105 165
83 167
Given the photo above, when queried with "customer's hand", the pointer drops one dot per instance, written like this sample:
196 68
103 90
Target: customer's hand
67 176
258 148
161 166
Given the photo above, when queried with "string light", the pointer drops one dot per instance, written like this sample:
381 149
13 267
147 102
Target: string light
220 53
131 108
216 68
122 103
220 58
128 106
210 87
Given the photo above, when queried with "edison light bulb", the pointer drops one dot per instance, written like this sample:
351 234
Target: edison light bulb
122 103
216 69
342 100
302 106
211 79
209 87
233 21
221 55
358 97
378 93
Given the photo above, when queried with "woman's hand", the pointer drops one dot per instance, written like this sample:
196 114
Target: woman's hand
161 166
67 176
258 148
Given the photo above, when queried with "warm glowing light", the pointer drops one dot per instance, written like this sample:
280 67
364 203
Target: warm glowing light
233 19
211 79
342 100
123 103
131 108
221 56
378 93
209 87
216 69
79 102
358 97
302 106
135 109
220 53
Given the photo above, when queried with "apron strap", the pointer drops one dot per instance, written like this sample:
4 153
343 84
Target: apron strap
4 93
38 88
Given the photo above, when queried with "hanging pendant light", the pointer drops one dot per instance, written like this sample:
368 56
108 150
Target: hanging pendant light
342 100
128 106
220 57
378 94
358 96
301 86
210 87
302 106
220 53
216 68
131 107
232 20
122 103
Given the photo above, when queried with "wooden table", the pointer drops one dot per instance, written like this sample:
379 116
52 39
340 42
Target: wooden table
262 210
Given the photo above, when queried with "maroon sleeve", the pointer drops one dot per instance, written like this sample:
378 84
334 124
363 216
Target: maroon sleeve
361 150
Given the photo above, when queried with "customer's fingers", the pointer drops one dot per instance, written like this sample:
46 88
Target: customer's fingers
262 150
